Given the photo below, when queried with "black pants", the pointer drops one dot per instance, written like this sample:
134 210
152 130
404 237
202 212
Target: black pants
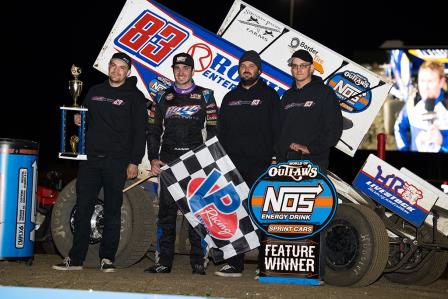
250 170
166 227
94 174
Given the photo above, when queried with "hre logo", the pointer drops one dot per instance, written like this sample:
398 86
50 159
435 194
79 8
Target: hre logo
214 205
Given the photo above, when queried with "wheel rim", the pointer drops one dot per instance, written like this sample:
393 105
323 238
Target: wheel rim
341 245
96 222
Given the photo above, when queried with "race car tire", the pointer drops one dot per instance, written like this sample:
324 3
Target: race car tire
356 247
137 225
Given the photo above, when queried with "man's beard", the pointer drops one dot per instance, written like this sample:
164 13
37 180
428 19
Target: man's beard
249 81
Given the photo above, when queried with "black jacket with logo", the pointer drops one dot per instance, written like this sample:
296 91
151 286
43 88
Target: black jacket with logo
310 116
116 121
180 122
249 125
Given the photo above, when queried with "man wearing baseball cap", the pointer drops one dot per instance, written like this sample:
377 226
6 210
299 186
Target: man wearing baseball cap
248 127
311 120
177 119
115 145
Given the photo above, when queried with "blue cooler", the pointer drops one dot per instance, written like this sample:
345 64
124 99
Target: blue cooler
18 185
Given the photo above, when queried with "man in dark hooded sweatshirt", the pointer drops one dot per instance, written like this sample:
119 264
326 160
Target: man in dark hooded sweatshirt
248 126
311 120
115 145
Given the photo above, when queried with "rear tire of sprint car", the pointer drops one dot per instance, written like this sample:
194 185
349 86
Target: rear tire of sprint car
357 247
137 225
424 266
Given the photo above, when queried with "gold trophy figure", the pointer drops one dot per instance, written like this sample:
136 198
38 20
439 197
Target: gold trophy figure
75 85
74 140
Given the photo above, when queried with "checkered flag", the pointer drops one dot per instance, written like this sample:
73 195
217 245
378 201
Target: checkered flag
210 192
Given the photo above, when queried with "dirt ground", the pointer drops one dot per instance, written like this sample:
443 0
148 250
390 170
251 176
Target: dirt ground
181 282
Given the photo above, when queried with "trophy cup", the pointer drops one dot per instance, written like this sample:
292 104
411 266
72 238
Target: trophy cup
75 85
76 143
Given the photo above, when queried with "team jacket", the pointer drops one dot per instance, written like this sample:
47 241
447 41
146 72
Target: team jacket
249 121
179 122
310 116
414 118
116 121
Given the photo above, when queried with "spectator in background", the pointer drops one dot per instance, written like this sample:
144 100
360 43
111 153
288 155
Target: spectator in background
422 124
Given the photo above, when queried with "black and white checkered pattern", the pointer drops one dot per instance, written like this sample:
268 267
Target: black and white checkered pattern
199 163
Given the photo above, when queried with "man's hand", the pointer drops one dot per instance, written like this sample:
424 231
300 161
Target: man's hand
77 119
132 171
299 148
155 167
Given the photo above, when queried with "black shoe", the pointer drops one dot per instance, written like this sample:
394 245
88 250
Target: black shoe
67 265
157 268
107 266
199 269
229 271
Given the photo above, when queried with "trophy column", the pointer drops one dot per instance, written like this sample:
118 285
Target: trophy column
74 147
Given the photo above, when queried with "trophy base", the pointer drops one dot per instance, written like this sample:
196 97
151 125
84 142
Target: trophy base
72 156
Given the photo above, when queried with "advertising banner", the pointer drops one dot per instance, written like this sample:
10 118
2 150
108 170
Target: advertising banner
361 92
152 34
395 190
292 203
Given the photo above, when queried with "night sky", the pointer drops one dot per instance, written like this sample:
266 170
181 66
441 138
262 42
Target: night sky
44 38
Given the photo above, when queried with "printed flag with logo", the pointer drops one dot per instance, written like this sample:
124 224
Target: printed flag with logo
212 195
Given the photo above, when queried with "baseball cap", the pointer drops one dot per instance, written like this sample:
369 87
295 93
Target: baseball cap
183 58
123 57
251 56
301 54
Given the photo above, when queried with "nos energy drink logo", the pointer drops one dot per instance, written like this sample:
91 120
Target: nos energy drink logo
214 205
292 201
352 89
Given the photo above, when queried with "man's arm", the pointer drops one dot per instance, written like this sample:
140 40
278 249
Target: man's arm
211 110
155 128
331 129
139 119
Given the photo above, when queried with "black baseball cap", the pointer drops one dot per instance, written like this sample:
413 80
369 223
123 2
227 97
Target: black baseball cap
183 58
123 57
301 54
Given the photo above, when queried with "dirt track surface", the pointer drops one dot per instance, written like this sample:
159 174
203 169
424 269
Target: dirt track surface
181 282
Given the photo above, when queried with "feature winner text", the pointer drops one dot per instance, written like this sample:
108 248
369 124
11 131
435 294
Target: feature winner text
290 257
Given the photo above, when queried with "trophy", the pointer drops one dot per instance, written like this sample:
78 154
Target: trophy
73 122
75 85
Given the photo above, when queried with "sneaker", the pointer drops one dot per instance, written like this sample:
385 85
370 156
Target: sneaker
199 269
107 266
67 265
157 268
228 271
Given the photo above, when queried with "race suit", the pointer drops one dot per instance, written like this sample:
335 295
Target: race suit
179 120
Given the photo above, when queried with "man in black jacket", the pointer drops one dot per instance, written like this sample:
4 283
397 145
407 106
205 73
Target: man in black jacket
178 119
311 120
115 145
248 126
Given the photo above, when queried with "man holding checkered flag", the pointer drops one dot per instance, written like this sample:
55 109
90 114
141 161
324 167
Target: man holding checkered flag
181 118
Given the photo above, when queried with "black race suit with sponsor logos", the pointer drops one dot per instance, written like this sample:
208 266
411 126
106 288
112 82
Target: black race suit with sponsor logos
248 128
179 121
310 116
